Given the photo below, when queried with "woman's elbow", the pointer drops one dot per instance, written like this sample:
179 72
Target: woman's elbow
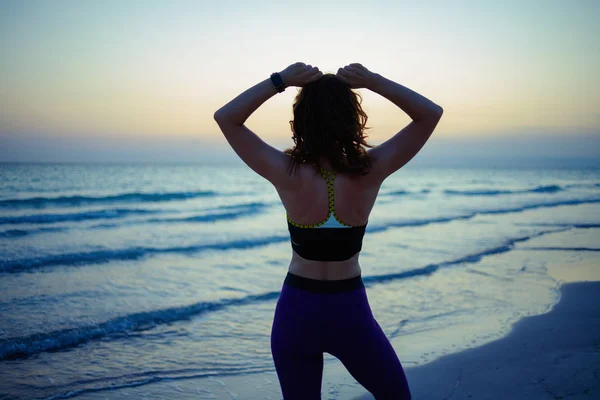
219 115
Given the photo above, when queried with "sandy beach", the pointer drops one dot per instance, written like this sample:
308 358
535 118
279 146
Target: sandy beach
549 356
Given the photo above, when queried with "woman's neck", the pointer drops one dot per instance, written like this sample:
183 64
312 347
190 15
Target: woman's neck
324 163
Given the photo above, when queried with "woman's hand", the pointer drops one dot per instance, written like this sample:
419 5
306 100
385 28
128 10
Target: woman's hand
356 76
299 74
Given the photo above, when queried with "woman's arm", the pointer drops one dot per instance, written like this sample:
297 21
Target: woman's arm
237 111
415 105
264 159
403 146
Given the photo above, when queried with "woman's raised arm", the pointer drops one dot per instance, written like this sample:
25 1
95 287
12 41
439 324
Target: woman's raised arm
403 146
261 157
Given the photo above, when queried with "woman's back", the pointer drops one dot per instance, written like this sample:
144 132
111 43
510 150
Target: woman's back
308 203
328 128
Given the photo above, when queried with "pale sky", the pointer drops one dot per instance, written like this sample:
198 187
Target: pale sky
114 80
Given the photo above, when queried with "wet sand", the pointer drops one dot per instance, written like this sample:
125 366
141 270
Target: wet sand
550 356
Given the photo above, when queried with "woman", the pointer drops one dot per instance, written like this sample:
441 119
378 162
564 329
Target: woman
323 306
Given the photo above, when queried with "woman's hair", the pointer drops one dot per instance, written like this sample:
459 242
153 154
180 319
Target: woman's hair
329 122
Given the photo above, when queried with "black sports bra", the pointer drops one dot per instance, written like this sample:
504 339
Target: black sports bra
330 239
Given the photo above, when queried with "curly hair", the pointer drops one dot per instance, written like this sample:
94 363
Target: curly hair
329 122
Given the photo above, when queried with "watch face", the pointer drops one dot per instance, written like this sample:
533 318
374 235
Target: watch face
277 81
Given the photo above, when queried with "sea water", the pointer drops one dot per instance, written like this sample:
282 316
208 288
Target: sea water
120 276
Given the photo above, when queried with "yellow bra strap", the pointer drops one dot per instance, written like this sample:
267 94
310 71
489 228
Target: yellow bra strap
331 202
326 174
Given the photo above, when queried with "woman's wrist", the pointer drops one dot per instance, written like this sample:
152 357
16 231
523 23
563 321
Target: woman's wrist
285 79
374 82
284 83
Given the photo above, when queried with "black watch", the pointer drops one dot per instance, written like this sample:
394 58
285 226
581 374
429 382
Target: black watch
277 82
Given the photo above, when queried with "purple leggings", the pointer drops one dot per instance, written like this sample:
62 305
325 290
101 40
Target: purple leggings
313 317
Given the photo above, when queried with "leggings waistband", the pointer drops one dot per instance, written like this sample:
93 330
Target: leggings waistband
323 286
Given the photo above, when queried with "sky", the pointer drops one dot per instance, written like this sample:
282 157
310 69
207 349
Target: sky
140 80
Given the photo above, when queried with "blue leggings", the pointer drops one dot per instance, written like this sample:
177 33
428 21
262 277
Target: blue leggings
313 317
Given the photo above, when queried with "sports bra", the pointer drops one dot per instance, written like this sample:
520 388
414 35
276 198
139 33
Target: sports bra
330 239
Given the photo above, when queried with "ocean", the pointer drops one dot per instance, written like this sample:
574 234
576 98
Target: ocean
122 276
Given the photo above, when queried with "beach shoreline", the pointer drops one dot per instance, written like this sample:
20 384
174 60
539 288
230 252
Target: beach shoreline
555 355
543 357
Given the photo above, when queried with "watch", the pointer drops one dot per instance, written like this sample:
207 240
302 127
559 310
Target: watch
277 82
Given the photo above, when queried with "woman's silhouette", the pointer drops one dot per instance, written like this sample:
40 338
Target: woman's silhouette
328 183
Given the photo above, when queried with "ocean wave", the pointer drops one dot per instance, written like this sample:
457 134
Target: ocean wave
253 204
551 204
16 233
583 185
205 218
74 217
57 340
573 225
468 259
136 197
577 249
492 192
397 193
154 377
417 222
470 215
237 211
132 253
405 192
